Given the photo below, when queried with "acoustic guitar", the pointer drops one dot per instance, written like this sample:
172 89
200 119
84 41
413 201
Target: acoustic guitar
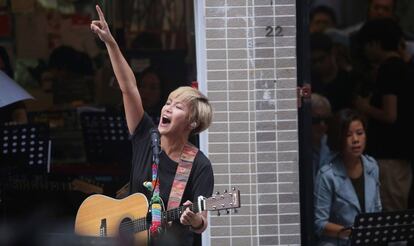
102 216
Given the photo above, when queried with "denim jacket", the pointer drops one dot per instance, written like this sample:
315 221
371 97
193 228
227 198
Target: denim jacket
335 198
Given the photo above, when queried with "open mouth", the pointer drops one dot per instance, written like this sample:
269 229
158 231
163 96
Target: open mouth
165 120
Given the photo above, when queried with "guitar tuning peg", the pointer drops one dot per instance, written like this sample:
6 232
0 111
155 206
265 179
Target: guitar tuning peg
217 193
225 191
227 211
233 188
218 213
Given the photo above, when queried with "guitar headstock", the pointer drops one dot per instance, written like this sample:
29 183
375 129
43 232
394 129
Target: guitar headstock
227 200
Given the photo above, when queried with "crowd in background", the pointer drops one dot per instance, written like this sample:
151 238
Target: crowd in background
361 79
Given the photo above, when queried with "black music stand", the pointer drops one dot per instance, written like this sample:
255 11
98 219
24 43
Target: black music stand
106 138
383 227
26 147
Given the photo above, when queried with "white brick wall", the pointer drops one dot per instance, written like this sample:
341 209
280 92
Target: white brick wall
246 62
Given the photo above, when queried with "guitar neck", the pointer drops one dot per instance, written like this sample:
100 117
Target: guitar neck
175 213
142 224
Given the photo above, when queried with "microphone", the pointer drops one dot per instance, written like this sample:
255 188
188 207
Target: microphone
155 145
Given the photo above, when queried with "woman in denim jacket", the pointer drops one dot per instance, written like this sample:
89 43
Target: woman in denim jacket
349 184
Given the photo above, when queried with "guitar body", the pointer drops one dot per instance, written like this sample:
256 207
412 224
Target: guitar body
101 215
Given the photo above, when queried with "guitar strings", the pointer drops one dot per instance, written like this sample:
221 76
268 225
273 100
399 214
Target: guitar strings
141 224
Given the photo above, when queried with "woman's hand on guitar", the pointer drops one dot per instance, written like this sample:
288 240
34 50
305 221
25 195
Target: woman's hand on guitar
190 218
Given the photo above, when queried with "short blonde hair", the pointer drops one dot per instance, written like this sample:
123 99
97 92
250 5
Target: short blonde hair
200 111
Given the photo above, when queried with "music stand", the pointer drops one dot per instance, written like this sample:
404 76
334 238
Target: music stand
26 147
106 137
383 227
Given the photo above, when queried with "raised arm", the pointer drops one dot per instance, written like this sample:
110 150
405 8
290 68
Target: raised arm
134 110
387 113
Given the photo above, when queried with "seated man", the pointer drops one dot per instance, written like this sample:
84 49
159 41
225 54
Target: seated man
321 111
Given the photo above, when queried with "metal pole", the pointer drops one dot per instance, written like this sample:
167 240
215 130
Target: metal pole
304 124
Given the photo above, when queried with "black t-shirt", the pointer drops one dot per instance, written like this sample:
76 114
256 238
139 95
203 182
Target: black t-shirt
386 141
200 182
359 187
340 91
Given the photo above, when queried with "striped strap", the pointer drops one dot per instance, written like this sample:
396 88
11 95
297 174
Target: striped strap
182 174
155 202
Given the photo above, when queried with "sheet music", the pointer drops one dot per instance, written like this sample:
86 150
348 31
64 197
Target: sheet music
10 91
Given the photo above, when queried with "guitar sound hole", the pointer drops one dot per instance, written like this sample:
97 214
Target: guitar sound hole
126 228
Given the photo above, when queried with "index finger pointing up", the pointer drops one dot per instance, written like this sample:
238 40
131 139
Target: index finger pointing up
101 15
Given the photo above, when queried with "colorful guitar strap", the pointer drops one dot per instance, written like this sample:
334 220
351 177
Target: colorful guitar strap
181 176
177 190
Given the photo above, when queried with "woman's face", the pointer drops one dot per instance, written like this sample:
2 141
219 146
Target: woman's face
174 118
355 139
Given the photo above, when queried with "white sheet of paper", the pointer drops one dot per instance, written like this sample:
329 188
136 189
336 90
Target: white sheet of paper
10 91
